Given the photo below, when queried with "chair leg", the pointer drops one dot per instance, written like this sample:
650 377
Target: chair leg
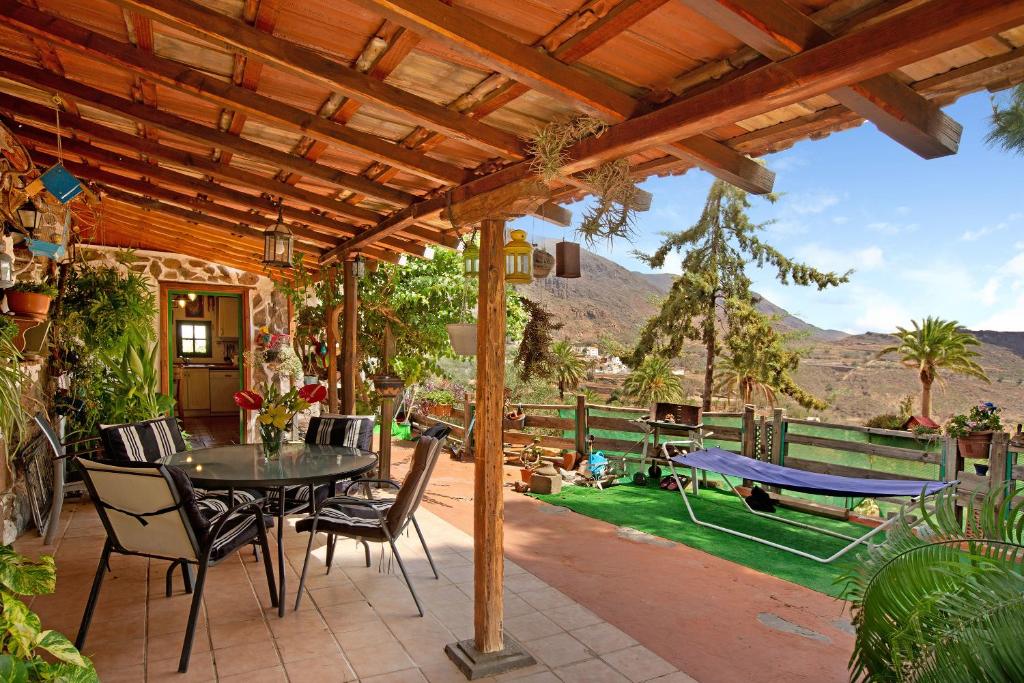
305 563
366 548
408 581
423 542
170 577
193 617
94 594
268 564
187 577
332 540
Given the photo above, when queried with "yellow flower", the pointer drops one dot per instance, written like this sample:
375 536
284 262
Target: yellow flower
276 415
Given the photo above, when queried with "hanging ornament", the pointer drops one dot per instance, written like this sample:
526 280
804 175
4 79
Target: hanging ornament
471 257
543 262
57 180
518 259
567 257
6 261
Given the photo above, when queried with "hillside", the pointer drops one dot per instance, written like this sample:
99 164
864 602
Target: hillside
844 369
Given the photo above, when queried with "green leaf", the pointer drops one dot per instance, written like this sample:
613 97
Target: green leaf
62 672
13 670
24 577
60 647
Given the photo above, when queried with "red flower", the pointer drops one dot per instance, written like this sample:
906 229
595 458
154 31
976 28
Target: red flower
248 400
313 393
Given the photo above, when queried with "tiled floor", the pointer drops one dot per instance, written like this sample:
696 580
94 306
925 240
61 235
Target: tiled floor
213 430
356 623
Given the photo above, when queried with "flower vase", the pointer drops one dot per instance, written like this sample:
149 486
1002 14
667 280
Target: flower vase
271 437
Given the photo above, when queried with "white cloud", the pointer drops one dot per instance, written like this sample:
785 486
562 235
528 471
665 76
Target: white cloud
891 228
812 203
880 314
975 235
827 258
903 210
840 220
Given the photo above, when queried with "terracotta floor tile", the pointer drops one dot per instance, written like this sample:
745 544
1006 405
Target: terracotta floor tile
131 652
406 676
240 633
638 663
603 638
200 669
335 595
378 659
295 622
242 658
168 645
320 668
571 617
558 650
131 674
531 626
305 645
274 674
590 671
344 618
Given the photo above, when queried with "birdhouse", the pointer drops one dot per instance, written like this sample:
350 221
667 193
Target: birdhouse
920 421
518 259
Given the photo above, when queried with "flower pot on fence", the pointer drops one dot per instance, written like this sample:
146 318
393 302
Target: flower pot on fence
975 444
515 423
29 304
463 338
439 410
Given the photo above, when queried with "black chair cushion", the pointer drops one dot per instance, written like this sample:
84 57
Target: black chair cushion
296 498
143 441
355 431
349 520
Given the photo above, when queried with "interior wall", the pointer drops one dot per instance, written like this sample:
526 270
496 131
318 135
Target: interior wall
219 347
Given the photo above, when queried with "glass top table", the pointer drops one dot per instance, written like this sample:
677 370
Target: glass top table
300 464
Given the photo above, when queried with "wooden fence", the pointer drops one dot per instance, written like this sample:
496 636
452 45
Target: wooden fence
847 450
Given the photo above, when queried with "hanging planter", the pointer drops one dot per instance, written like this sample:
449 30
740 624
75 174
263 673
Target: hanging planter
567 255
30 299
543 262
975 445
463 338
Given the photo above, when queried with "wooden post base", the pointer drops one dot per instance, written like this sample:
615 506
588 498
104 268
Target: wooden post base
475 664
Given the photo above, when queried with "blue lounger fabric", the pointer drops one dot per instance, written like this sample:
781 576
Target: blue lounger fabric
724 462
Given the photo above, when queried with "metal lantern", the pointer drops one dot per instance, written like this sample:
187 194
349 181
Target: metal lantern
28 216
567 259
277 243
471 260
6 262
359 267
518 259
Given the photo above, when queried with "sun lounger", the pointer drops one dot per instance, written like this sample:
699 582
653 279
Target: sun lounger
729 464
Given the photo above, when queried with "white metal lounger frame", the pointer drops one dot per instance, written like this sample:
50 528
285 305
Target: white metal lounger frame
854 540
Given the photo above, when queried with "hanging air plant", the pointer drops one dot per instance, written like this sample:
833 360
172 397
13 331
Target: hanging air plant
618 201
550 142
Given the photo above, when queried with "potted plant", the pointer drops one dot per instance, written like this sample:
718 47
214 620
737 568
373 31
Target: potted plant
276 410
463 338
31 299
438 402
973 431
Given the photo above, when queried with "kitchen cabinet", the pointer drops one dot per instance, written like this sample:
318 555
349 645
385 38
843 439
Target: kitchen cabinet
195 391
223 385
227 317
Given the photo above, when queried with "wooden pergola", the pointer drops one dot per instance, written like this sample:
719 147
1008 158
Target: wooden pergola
387 126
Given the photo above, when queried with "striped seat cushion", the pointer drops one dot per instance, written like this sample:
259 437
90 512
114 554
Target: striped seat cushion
296 498
338 517
354 431
143 441
240 527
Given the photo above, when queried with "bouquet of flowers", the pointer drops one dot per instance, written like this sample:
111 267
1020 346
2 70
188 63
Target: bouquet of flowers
275 410
983 417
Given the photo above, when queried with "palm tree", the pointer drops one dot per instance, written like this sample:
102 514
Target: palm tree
1008 123
932 345
946 605
567 367
652 381
733 378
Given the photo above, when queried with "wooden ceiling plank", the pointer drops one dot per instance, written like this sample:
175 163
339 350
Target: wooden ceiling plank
925 30
778 30
547 74
505 55
211 136
618 19
215 27
238 98
266 205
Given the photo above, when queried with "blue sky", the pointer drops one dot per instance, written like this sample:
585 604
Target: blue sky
941 237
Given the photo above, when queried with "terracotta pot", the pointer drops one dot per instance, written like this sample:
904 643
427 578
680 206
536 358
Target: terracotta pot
975 444
440 410
543 262
29 304
516 423
526 474
463 338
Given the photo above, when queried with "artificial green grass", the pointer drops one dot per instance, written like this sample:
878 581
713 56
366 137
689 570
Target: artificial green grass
662 513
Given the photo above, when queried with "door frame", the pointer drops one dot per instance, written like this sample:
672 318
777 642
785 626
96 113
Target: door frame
245 338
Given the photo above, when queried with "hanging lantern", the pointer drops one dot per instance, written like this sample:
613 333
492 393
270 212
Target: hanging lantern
277 243
7 262
192 296
567 259
543 262
359 267
181 301
518 259
28 216
471 260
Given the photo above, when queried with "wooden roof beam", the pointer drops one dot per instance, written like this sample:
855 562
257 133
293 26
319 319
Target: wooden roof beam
176 125
193 82
925 30
39 137
778 30
212 26
549 75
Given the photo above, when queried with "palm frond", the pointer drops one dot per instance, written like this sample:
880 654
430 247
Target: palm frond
937 602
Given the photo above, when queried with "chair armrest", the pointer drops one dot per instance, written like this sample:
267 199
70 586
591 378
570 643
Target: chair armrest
352 483
220 520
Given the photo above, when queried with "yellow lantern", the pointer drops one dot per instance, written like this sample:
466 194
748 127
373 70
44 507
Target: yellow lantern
518 259
471 260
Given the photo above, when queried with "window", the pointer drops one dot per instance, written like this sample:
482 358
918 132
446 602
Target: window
193 339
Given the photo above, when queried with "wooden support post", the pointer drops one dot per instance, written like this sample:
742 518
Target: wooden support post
748 433
582 426
348 339
775 446
998 461
387 411
488 653
952 463
332 349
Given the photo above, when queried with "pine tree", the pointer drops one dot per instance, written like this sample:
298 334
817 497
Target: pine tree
1008 123
717 249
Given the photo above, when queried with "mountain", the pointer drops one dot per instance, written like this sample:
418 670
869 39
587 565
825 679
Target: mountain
610 300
